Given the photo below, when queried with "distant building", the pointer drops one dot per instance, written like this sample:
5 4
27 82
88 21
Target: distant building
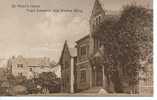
57 70
68 65
29 67
3 63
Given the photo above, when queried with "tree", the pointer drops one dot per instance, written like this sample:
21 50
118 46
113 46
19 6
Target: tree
49 80
134 35
126 41
20 80
31 86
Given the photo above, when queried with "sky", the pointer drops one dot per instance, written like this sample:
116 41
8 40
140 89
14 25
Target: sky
43 34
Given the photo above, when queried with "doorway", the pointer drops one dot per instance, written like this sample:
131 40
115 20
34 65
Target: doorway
97 76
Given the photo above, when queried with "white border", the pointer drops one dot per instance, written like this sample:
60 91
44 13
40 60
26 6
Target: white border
107 98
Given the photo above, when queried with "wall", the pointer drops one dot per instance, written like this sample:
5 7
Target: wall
83 64
65 71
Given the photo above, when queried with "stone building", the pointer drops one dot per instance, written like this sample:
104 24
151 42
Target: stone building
68 63
91 47
90 70
87 74
29 67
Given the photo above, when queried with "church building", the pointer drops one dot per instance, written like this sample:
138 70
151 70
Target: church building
90 50
88 67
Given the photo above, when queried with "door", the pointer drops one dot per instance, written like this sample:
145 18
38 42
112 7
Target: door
99 77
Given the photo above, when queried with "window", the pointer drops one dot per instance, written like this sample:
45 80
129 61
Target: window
83 51
20 65
83 75
98 20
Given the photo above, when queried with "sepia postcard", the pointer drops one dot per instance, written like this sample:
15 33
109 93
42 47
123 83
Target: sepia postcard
76 48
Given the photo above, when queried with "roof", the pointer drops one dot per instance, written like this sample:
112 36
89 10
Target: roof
99 7
100 52
110 18
87 36
101 4
36 61
64 47
73 52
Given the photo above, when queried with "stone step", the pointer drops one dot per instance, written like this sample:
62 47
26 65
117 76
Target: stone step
97 90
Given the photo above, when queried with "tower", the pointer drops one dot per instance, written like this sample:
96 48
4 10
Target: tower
96 18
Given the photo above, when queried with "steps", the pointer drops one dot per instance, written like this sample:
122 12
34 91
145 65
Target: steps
96 90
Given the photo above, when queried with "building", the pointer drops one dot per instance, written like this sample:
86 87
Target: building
90 62
29 67
89 49
90 70
57 70
3 63
68 63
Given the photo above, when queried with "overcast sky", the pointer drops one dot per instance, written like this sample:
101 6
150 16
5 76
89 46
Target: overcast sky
43 34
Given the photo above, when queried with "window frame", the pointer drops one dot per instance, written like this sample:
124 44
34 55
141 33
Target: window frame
83 75
83 51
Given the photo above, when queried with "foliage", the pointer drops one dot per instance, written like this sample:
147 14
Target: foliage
50 81
31 86
126 43
134 37
20 80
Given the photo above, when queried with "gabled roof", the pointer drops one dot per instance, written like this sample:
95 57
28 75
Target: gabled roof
98 57
100 52
37 61
64 47
87 36
33 61
97 8
110 18
71 51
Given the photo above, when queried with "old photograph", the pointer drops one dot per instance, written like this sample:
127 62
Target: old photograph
76 48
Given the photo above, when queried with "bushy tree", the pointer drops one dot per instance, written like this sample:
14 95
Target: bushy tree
133 35
126 41
49 81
